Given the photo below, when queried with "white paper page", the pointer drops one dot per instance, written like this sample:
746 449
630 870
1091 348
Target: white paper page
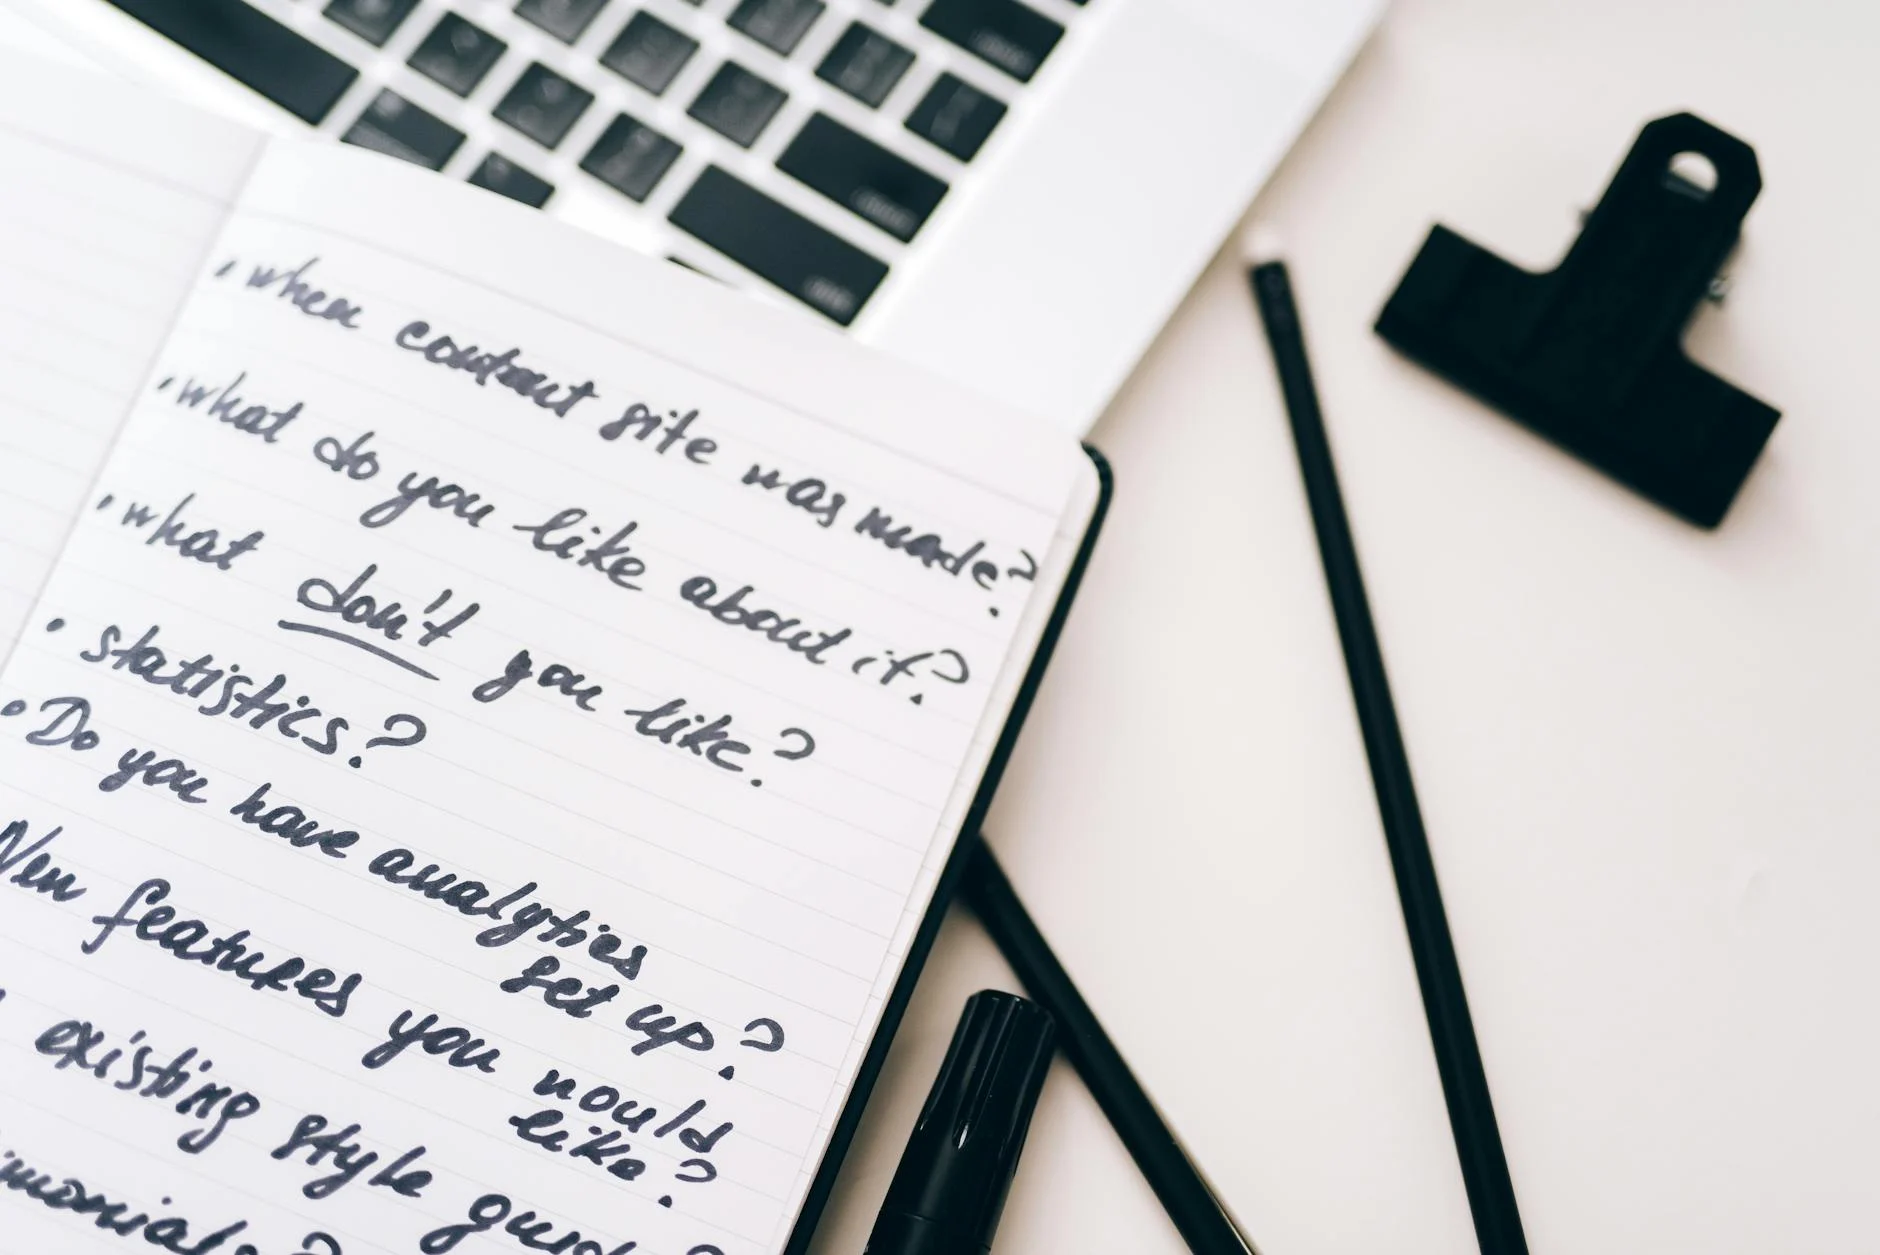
112 201
765 910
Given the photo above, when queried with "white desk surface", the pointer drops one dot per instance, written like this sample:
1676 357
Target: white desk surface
1646 754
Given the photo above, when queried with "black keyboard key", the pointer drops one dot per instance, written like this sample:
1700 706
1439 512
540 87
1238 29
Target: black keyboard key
1004 33
821 269
499 174
955 116
865 64
777 24
371 20
398 128
543 105
738 104
253 49
456 55
859 174
631 157
649 53
564 19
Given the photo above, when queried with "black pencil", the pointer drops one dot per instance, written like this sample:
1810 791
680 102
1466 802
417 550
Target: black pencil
1190 1204
1458 1058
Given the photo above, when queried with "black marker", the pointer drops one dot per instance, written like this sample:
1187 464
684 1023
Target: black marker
949 1191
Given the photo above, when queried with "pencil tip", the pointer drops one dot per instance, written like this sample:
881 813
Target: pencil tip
1259 244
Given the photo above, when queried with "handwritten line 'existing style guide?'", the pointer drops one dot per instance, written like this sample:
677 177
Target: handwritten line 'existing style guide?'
468 775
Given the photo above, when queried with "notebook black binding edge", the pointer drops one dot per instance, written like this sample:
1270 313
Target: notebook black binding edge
850 1119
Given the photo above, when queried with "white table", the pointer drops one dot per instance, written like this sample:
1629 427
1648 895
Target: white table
1647 755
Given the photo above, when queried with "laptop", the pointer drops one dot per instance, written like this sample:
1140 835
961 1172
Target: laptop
1013 193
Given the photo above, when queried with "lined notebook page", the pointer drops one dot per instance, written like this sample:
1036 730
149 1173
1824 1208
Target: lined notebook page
110 211
503 703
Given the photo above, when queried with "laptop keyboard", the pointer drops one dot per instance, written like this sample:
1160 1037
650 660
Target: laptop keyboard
802 143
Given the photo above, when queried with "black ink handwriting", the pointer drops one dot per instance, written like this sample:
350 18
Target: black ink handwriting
731 610
354 460
441 350
613 557
569 994
199 545
929 548
643 424
314 1136
236 695
359 608
490 1210
73 1195
514 918
459 1048
565 680
182 938
711 740
76 1043
808 494
292 824
67 727
433 492
230 407
292 286
144 767
40 874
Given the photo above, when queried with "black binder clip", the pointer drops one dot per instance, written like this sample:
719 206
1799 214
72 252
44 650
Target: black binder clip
1588 355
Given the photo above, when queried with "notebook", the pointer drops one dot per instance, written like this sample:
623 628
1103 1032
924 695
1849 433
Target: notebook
486 716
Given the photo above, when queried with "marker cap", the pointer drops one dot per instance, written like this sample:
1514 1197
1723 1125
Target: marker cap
949 1190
